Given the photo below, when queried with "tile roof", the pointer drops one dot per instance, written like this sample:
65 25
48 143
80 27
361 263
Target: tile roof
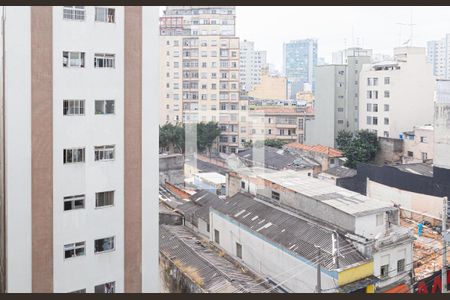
331 152
219 275
295 234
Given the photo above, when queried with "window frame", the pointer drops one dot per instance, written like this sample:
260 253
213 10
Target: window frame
73 12
239 250
72 199
74 248
104 106
105 58
104 150
113 237
274 193
69 64
107 14
81 107
65 155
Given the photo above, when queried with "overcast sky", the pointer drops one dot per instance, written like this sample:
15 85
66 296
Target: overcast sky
337 27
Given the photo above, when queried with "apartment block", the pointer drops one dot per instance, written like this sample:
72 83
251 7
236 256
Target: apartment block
337 99
270 87
341 57
76 128
282 123
396 95
199 56
299 61
418 144
438 54
251 64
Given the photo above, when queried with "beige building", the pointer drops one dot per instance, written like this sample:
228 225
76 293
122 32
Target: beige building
418 144
200 69
283 123
271 87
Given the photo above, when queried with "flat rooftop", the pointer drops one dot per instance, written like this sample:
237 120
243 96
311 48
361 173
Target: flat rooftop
213 177
337 197
423 169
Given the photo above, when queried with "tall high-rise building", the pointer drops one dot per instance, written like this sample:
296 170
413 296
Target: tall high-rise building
397 95
78 137
251 64
200 69
438 54
299 61
336 99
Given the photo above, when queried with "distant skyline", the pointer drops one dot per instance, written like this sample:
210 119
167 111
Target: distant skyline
336 28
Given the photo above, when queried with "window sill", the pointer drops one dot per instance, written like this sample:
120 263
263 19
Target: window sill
106 251
104 206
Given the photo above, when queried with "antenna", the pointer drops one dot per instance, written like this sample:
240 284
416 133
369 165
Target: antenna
411 31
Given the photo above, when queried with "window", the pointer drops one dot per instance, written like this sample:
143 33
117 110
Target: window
104 107
369 107
216 236
340 122
74 13
369 120
385 134
104 60
73 107
275 196
340 109
73 59
400 265
375 120
423 139
375 81
386 107
387 80
380 219
410 154
375 107
424 156
103 14
104 152
75 249
242 185
386 121
387 94
384 270
239 250
104 199
74 155
103 245
106 288
74 202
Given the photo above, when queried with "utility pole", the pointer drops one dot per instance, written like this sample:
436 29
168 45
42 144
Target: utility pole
444 244
335 248
319 277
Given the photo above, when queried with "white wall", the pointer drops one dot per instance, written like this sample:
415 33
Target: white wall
18 148
150 161
88 131
367 225
266 258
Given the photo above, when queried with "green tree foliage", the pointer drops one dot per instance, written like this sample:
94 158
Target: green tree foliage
276 143
172 137
361 146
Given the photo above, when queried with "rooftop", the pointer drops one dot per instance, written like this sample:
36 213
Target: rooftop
199 205
423 169
218 274
339 198
341 172
331 152
204 166
295 234
277 159
213 177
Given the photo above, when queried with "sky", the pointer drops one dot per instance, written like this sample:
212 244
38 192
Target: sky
338 27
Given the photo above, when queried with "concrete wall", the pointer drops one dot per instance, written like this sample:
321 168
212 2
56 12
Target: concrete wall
173 280
391 150
415 202
171 169
265 257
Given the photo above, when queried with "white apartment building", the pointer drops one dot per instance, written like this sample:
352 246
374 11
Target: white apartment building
251 63
79 116
341 57
438 54
200 69
396 95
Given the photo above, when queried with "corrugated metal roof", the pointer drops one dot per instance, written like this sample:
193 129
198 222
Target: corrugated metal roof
341 171
199 205
293 233
418 169
219 275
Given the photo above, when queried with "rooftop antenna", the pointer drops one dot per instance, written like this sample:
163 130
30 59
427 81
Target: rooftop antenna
409 42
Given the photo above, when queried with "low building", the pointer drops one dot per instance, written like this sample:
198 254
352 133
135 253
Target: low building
282 123
371 225
270 87
210 181
418 144
194 166
336 173
171 168
277 159
284 247
328 157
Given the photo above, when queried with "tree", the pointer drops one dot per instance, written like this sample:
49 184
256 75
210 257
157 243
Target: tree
361 146
276 143
207 133
171 137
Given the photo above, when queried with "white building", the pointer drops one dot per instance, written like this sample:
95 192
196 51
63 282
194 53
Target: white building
441 127
418 144
438 55
76 127
396 95
341 57
251 63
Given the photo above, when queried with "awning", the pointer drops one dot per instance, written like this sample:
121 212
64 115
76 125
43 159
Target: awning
399 289
357 285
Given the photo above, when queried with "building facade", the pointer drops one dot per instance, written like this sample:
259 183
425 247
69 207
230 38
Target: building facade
76 125
341 57
396 95
299 61
200 69
418 144
337 98
251 64
438 54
